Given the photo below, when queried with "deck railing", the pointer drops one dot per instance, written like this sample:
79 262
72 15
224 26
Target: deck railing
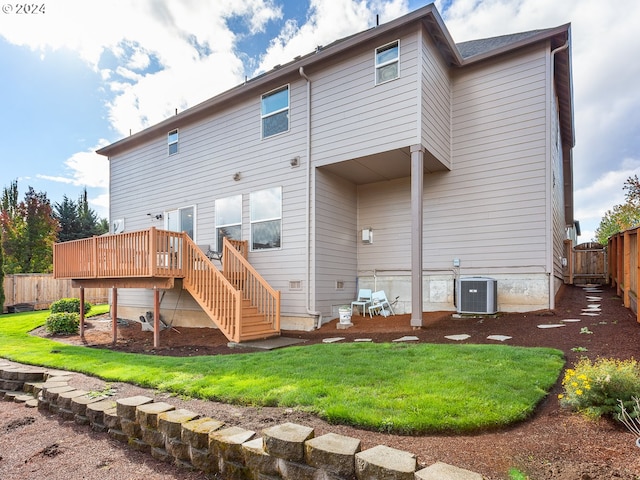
160 253
145 253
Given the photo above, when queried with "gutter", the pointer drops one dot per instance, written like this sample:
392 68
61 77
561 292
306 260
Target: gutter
552 300
315 313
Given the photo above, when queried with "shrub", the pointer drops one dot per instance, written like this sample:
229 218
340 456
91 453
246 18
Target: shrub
69 305
64 322
595 388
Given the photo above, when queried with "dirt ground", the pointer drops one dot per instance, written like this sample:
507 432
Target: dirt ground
552 445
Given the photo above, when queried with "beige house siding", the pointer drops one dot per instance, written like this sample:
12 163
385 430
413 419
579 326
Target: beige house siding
335 242
352 117
210 152
490 210
435 98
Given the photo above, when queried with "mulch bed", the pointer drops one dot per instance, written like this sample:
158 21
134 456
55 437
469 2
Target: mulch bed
554 444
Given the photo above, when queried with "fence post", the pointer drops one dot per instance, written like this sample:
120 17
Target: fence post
619 265
627 268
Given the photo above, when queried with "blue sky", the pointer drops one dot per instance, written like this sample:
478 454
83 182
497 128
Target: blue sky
81 74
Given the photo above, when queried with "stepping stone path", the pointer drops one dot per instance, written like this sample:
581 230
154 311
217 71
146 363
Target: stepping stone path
552 325
593 309
332 339
500 338
458 338
407 338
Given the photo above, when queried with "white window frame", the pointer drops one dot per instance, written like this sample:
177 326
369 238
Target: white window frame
380 66
178 212
253 201
264 115
222 225
172 143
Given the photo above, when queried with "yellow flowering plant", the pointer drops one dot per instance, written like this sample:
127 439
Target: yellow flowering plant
597 388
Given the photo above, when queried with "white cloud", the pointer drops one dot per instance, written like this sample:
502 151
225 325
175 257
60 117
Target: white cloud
328 20
175 54
86 169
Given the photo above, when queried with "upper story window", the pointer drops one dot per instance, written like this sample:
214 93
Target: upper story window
266 218
172 141
228 219
388 62
275 111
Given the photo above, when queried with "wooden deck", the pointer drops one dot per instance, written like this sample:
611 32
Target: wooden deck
237 299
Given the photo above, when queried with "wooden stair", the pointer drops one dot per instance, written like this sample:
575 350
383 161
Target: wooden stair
254 325
247 307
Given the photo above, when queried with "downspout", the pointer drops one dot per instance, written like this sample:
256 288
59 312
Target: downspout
315 313
552 299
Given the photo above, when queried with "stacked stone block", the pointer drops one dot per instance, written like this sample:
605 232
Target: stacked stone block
284 452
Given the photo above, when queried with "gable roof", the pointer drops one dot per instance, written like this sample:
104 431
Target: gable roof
456 55
484 45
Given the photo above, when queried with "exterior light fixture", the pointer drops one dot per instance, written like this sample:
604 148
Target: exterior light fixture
367 235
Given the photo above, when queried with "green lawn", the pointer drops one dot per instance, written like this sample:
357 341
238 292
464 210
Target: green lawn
404 388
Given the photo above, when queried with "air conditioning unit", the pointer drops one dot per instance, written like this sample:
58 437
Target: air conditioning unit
477 295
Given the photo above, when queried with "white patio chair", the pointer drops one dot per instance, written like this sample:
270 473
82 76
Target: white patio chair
363 300
379 304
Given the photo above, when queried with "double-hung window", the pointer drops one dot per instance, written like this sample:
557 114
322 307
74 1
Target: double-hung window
388 62
172 141
266 218
228 219
275 111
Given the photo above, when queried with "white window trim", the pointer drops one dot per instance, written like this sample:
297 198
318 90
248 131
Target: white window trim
177 210
217 226
176 142
388 62
264 220
270 114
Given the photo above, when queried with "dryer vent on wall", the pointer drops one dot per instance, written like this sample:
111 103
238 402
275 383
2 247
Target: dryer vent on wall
477 295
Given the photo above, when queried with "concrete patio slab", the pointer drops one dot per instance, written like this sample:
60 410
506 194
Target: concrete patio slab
267 344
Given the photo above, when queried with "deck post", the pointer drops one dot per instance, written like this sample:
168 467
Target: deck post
417 193
82 313
114 314
156 318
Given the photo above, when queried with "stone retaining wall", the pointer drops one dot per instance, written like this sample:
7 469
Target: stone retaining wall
288 451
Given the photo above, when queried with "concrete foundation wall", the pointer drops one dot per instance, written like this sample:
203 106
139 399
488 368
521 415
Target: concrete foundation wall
516 292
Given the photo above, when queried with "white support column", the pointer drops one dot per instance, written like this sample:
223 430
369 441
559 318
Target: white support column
417 191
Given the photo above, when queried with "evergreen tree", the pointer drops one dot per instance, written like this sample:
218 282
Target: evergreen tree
66 213
77 220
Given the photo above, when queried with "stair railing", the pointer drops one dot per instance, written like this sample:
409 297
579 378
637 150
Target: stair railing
213 292
241 274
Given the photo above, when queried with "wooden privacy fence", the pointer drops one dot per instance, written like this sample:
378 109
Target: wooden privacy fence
41 290
623 267
587 263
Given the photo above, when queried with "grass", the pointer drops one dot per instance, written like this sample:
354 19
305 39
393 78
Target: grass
394 387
